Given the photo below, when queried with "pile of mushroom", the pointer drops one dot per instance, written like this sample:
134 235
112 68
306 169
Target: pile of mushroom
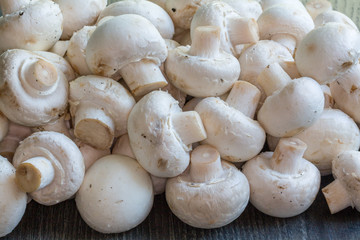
144 97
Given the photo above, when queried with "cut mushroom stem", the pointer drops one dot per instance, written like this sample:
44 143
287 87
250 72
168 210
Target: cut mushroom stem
244 97
273 78
286 40
206 42
41 75
34 174
336 196
243 30
188 126
93 125
288 155
142 77
205 164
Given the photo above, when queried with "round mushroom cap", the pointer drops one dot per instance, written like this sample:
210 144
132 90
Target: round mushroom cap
116 194
37 26
325 60
270 3
333 16
153 139
122 40
236 137
278 194
66 159
151 11
293 108
201 76
13 200
23 103
346 168
78 14
105 93
333 133
246 8
210 204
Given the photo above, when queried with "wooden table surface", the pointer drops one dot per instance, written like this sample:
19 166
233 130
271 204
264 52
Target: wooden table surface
62 221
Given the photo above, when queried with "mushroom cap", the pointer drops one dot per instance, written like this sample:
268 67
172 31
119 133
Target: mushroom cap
333 133
22 103
105 93
151 11
37 26
116 194
285 19
153 138
246 8
293 108
270 3
65 158
236 137
201 76
13 200
346 168
325 60
277 194
333 16
76 51
122 40
211 204
78 14
254 59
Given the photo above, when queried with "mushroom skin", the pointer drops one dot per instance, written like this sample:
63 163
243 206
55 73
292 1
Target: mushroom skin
33 91
138 56
104 200
316 7
100 108
202 70
78 14
334 16
151 11
343 192
13 201
282 183
9 6
324 60
4 126
40 25
161 134
211 193
49 166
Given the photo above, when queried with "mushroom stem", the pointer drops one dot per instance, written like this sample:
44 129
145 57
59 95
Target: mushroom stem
188 126
336 196
34 174
287 155
273 78
286 40
205 164
94 126
40 75
244 97
205 42
290 68
9 6
142 77
242 30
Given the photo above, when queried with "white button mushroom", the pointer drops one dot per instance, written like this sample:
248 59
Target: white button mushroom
131 45
316 7
122 146
211 193
325 60
202 70
100 108
116 195
291 105
78 14
161 134
154 13
35 26
343 192
283 183
235 29
32 91
49 166
229 126
12 200
246 8
333 16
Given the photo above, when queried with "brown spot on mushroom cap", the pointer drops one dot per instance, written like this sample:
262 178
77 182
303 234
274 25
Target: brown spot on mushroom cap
311 47
162 164
353 89
346 65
